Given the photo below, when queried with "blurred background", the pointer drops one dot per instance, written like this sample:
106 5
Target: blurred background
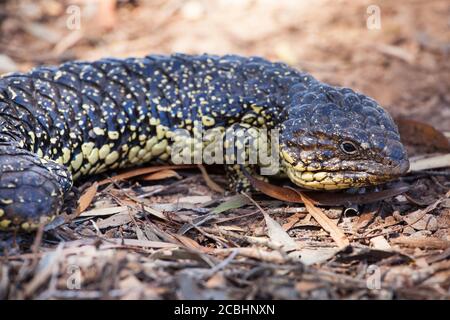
395 51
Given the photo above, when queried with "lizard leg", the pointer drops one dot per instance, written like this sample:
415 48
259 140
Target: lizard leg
240 144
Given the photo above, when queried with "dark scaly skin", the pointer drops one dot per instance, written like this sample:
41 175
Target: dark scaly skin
81 118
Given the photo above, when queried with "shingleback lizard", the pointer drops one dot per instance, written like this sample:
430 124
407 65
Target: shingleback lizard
82 118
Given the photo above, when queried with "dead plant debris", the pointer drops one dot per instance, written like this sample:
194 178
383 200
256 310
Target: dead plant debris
168 232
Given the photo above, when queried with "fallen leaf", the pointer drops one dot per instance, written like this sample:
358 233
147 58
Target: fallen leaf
327 224
155 212
86 198
421 222
161 175
380 243
104 211
434 162
196 222
292 220
280 193
173 206
324 198
232 228
363 220
209 182
275 231
138 243
346 199
142 171
277 234
425 242
116 220
44 270
191 244
140 234
414 132
416 216
255 253
234 202
309 256
195 199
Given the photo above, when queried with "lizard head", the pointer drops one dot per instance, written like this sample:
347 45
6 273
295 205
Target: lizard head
334 138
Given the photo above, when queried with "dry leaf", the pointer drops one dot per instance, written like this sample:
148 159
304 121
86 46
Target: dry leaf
140 234
275 231
280 193
44 270
277 234
423 242
141 171
338 236
309 256
155 212
104 211
232 228
234 202
195 199
86 198
255 253
138 243
209 182
418 133
191 244
161 175
380 243
363 220
116 220
435 162
324 198
292 220
346 199
420 221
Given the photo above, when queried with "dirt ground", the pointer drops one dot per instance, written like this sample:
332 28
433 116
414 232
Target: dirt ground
167 234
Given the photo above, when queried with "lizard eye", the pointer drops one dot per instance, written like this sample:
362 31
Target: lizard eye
348 147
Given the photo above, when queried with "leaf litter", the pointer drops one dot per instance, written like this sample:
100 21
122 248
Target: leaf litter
169 232
300 240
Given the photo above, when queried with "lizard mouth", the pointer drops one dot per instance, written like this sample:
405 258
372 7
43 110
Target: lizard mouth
335 180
